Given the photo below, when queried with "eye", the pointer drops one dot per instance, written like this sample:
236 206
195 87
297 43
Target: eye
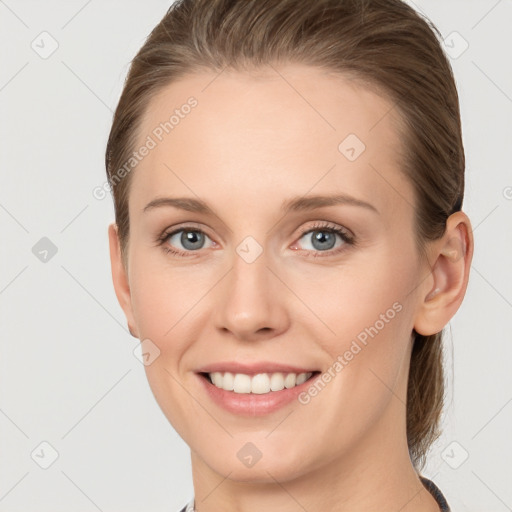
191 240
325 238
322 239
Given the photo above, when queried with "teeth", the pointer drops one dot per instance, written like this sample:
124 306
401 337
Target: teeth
259 384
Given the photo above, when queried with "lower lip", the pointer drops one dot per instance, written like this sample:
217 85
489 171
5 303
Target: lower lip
253 404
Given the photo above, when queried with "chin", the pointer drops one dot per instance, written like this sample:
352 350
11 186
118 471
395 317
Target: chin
267 469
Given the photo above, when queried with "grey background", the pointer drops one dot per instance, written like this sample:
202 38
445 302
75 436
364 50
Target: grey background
68 373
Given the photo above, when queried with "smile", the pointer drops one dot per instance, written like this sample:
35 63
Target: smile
254 395
261 383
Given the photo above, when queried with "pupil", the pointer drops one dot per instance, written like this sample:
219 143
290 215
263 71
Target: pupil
322 237
191 239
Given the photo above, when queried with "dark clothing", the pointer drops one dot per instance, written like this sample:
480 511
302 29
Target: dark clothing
436 493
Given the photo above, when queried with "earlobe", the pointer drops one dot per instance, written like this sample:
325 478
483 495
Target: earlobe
120 278
450 274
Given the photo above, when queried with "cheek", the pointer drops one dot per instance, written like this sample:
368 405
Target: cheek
369 310
371 290
166 304
372 318
165 298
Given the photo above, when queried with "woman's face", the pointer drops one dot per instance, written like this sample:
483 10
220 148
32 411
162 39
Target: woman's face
261 277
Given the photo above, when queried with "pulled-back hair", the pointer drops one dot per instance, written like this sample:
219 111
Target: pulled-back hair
384 44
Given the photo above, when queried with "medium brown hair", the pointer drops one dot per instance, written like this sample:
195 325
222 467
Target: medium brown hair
383 43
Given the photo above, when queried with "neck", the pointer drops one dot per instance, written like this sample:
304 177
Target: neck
376 474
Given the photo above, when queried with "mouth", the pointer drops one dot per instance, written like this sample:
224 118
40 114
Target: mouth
257 384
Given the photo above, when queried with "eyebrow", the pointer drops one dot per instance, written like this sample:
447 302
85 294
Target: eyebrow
301 203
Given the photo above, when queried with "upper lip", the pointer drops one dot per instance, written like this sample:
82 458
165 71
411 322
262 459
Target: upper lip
253 368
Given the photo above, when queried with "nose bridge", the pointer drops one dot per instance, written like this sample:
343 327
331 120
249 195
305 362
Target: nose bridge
251 301
249 269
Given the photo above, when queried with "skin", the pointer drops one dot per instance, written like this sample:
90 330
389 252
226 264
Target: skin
252 133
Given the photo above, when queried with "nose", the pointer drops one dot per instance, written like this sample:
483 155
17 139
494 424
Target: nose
251 302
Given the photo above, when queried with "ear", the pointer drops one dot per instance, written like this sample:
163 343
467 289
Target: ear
120 278
443 292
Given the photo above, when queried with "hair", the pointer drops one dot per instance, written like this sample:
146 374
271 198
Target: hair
387 46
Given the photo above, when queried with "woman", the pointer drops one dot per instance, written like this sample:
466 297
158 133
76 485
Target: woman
249 135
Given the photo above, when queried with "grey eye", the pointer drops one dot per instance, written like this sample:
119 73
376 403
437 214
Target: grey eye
190 240
321 239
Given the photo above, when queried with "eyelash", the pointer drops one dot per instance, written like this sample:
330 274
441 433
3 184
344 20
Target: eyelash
345 235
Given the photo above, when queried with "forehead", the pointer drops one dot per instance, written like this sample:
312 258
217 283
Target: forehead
291 128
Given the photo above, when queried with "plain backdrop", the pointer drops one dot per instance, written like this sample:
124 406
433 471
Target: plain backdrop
79 427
